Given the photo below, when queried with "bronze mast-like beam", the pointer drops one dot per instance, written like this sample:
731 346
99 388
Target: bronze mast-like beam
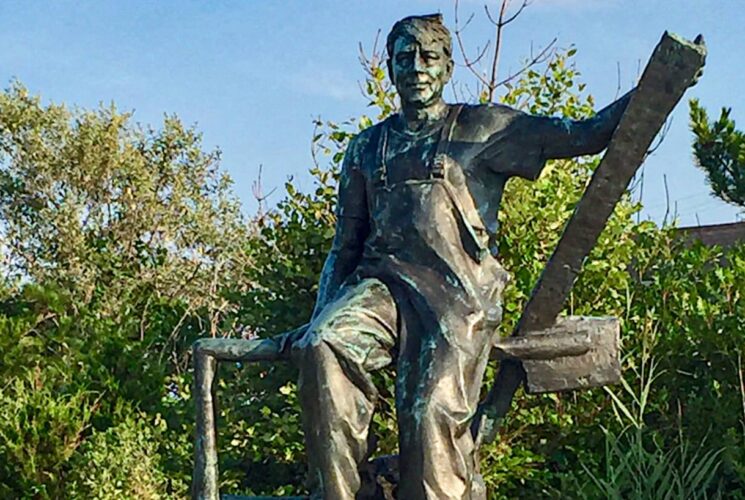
673 67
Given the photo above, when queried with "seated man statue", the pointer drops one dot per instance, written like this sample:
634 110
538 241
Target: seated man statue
413 277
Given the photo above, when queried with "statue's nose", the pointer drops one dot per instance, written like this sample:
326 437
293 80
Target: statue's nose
419 65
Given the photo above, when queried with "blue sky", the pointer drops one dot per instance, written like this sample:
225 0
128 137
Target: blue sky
252 74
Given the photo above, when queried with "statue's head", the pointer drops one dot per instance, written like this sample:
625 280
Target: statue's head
420 60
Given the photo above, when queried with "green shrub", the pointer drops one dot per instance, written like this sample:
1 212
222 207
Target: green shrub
41 428
641 462
122 462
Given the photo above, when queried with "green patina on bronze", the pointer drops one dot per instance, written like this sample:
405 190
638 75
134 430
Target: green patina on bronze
413 278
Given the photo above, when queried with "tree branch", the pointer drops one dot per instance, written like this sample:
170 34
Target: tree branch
468 63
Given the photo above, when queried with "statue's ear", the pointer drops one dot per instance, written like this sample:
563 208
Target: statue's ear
450 67
389 64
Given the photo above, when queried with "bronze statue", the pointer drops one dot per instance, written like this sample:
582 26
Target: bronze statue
414 278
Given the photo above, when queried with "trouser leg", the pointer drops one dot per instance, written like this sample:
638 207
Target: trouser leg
348 339
437 396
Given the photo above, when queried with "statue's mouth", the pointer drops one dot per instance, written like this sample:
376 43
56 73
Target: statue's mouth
418 85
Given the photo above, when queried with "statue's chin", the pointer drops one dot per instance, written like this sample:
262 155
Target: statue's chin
421 101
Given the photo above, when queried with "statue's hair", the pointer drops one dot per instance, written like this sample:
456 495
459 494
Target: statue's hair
431 23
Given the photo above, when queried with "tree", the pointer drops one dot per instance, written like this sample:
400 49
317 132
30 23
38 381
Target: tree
719 150
121 245
114 212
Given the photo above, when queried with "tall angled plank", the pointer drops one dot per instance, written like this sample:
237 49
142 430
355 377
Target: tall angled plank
673 67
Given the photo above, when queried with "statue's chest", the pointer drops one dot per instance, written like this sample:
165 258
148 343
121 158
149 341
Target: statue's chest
399 170
407 158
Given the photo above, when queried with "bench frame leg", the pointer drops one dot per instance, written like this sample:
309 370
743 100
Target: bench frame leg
204 483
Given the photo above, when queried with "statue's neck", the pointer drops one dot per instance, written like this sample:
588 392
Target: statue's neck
419 118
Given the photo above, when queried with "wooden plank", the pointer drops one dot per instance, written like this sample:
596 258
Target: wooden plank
672 68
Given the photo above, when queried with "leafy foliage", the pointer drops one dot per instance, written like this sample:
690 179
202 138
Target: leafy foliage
39 431
719 149
120 462
115 212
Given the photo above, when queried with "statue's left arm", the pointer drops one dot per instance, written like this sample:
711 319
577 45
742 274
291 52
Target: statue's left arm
518 143
563 138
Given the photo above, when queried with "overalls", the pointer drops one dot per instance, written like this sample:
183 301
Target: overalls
426 294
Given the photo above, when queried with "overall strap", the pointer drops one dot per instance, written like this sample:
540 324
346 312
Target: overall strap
471 241
443 144
437 170
380 169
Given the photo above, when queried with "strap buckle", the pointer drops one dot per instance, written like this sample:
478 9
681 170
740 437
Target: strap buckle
439 163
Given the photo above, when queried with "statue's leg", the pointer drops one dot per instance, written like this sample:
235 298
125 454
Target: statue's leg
351 337
438 390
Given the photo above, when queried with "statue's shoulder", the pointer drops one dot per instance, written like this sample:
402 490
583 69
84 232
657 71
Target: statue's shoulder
364 145
479 121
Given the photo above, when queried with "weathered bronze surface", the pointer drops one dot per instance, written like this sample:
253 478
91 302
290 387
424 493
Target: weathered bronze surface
413 278
598 366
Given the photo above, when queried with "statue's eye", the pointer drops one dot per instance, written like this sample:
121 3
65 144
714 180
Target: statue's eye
431 56
404 58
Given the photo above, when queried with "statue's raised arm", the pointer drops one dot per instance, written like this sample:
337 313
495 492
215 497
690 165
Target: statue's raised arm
520 143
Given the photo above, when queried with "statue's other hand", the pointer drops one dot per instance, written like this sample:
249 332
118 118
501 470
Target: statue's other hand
287 339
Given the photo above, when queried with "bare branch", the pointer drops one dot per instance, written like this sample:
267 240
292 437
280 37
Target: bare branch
667 200
618 79
497 49
257 190
459 39
481 52
468 21
516 14
454 89
638 69
502 21
489 16
174 333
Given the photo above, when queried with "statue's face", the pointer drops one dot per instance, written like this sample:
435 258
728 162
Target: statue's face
419 68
